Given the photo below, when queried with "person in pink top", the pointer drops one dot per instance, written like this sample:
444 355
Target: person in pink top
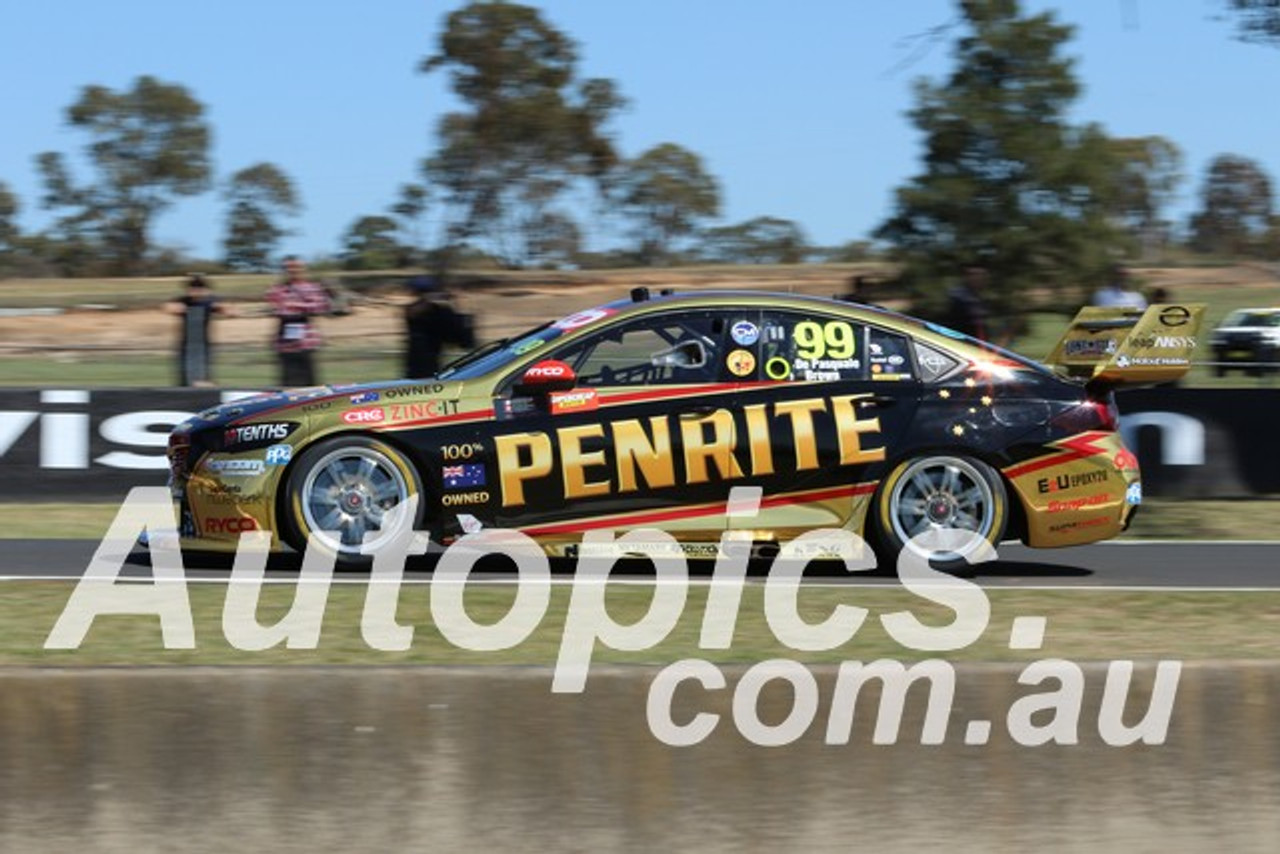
295 301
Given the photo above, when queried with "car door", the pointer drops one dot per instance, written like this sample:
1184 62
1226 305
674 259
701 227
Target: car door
644 438
821 400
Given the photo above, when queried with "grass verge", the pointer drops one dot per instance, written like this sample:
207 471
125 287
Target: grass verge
1081 625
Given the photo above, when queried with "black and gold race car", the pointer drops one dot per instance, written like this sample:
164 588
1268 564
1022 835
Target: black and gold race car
647 413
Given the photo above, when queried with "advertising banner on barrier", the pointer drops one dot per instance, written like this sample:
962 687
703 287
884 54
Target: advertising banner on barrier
1203 442
68 444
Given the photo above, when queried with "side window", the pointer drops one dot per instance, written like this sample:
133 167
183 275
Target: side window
889 356
665 350
934 364
811 348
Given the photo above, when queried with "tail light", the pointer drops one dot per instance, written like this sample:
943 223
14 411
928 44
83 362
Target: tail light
1089 415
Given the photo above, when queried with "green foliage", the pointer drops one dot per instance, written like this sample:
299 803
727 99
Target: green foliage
1007 183
9 231
530 129
258 196
371 244
666 191
1257 20
1148 174
409 208
763 240
1236 208
148 146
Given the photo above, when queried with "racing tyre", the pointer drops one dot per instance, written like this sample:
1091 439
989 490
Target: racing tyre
940 496
341 489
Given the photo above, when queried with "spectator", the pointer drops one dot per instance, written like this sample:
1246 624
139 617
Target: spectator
431 321
966 302
196 307
294 301
1118 291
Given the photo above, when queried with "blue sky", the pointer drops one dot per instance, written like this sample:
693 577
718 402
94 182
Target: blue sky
798 108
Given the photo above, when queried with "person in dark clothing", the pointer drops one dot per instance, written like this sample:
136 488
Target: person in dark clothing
431 321
966 303
196 307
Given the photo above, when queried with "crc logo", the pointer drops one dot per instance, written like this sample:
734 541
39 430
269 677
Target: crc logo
368 415
230 525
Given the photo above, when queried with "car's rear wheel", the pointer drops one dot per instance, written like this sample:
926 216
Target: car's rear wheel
342 490
941 507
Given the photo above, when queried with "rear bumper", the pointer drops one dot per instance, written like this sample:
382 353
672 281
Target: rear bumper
1085 491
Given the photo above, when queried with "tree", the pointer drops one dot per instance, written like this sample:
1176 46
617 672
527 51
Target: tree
370 244
1236 207
149 146
408 209
259 195
1148 171
763 240
666 191
1257 20
9 231
1007 182
530 129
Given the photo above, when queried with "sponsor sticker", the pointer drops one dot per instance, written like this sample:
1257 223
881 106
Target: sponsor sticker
367 415
1067 505
230 525
582 318
279 455
235 468
522 347
740 362
777 368
579 400
249 436
1133 494
365 397
426 409
744 333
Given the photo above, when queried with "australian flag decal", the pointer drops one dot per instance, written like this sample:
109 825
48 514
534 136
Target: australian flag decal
467 474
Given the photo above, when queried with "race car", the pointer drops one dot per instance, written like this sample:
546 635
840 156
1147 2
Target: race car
651 411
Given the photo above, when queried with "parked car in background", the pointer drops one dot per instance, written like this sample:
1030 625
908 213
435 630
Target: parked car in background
1247 339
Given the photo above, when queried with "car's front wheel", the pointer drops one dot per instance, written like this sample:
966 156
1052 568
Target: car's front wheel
942 507
342 490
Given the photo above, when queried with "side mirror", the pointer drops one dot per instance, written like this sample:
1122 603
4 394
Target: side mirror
545 377
686 354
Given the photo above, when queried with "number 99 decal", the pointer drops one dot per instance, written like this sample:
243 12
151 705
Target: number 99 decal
832 340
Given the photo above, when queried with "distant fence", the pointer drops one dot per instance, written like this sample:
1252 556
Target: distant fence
69 444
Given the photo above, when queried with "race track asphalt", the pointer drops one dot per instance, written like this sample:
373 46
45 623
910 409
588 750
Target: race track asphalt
1165 564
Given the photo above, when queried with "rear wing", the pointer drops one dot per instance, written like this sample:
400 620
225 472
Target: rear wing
1113 347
